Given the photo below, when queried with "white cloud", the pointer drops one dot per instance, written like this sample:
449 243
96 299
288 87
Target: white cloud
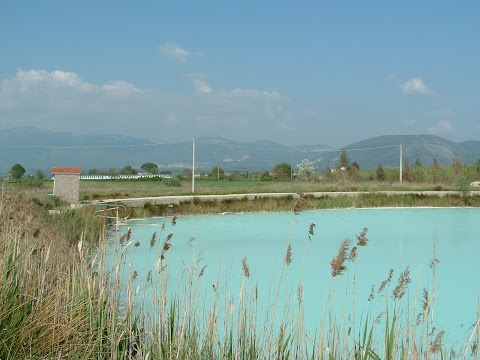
119 89
415 86
441 127
56 78
175 52
255 94
200 83
201 86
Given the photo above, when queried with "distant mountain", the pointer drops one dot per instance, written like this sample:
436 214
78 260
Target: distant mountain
386 150
40 149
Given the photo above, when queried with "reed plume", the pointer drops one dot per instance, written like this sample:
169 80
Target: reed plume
202 272
153 240
311 231
386 281
288 255
425 300
436 345
403 282
353 254
372 293
245 268
338 262
166 246
300 292
361 238
297 209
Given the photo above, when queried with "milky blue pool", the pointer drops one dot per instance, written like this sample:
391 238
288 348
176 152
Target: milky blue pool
398 237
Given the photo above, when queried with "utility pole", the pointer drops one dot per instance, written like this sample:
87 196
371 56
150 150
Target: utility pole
193 166
401 162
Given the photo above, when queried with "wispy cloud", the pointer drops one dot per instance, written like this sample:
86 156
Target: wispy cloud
175 52
200 83
202 87
441 127
57 78
119 89
415 86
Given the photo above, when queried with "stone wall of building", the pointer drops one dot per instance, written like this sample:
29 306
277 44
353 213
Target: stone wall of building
66 184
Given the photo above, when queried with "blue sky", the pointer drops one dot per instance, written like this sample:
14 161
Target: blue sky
306 72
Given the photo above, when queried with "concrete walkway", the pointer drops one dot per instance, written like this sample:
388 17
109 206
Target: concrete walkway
136 202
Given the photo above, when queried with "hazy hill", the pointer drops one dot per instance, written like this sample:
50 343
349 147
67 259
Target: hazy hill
40 149
422 147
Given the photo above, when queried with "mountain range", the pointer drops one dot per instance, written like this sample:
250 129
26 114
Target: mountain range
37 149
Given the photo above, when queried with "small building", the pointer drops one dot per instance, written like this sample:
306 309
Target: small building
66 183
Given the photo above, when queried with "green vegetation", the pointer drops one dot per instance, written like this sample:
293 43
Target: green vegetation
283 171
17 171
150 167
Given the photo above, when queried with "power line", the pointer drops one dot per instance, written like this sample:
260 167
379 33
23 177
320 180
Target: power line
294 150
185 142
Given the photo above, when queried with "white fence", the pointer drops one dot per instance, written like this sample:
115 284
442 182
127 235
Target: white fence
123 177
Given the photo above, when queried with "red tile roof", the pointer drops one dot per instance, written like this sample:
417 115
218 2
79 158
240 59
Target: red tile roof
69 170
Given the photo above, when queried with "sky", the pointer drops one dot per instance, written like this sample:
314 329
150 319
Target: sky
309 72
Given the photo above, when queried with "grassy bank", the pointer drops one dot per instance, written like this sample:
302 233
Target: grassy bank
60 298
96 190
307 203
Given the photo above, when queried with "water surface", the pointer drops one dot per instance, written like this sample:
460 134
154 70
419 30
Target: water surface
398 238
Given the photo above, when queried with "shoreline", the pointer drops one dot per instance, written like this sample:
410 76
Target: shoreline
180 199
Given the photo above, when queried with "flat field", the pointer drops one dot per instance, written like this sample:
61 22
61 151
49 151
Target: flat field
97 190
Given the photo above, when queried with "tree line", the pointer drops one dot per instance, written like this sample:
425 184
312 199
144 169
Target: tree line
342 171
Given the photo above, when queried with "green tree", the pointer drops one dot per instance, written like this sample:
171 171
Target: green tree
217 173
407 171
306 168
234 175
265 176
94 172
186 174
283 170
457 164
111 171
150 167
40 175
128 170
344 161
17 171
355 165
380 173
435 170
418 163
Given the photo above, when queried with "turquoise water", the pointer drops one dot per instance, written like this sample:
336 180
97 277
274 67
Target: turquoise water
398 238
